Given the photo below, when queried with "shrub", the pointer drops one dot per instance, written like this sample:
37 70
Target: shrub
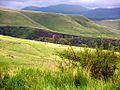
101 64
105 64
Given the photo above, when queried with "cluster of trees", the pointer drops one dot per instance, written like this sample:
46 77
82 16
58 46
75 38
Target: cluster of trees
53 37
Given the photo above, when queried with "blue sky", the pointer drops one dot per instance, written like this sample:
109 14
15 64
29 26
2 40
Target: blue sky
18 4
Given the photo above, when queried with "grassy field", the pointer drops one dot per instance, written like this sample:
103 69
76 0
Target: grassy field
26 52
32 65
60 23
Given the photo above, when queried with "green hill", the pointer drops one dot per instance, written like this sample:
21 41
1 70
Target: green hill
60 23
71 24
114 24
10 17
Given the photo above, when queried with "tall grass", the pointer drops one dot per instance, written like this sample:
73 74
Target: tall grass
35 79
70 76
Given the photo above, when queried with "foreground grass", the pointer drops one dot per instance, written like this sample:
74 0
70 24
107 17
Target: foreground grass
31 65
36 79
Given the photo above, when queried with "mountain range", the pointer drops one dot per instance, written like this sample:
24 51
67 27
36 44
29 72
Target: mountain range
62 8
94 14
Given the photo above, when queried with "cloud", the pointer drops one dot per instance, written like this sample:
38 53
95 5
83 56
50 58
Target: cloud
22 3
41 3
96 3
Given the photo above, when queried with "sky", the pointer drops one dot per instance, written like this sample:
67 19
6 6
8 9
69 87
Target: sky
19 4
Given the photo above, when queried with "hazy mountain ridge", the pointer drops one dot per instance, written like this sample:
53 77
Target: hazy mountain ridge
103 13
95 14
62 8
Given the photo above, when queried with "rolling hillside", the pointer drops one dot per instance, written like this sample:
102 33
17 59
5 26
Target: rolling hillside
16 18
115 24
59 23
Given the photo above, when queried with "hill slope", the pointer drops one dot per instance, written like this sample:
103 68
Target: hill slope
26 52
59 23
115 24
14 17
70 24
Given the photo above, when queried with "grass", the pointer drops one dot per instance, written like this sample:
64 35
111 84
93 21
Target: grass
60 23
32 65
35 79
26 52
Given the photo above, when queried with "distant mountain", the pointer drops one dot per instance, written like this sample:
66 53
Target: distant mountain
62 8
94 14
103 13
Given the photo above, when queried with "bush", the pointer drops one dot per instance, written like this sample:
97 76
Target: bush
105 64
101 64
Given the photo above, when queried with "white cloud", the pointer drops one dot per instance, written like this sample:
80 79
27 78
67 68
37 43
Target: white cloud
87 3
